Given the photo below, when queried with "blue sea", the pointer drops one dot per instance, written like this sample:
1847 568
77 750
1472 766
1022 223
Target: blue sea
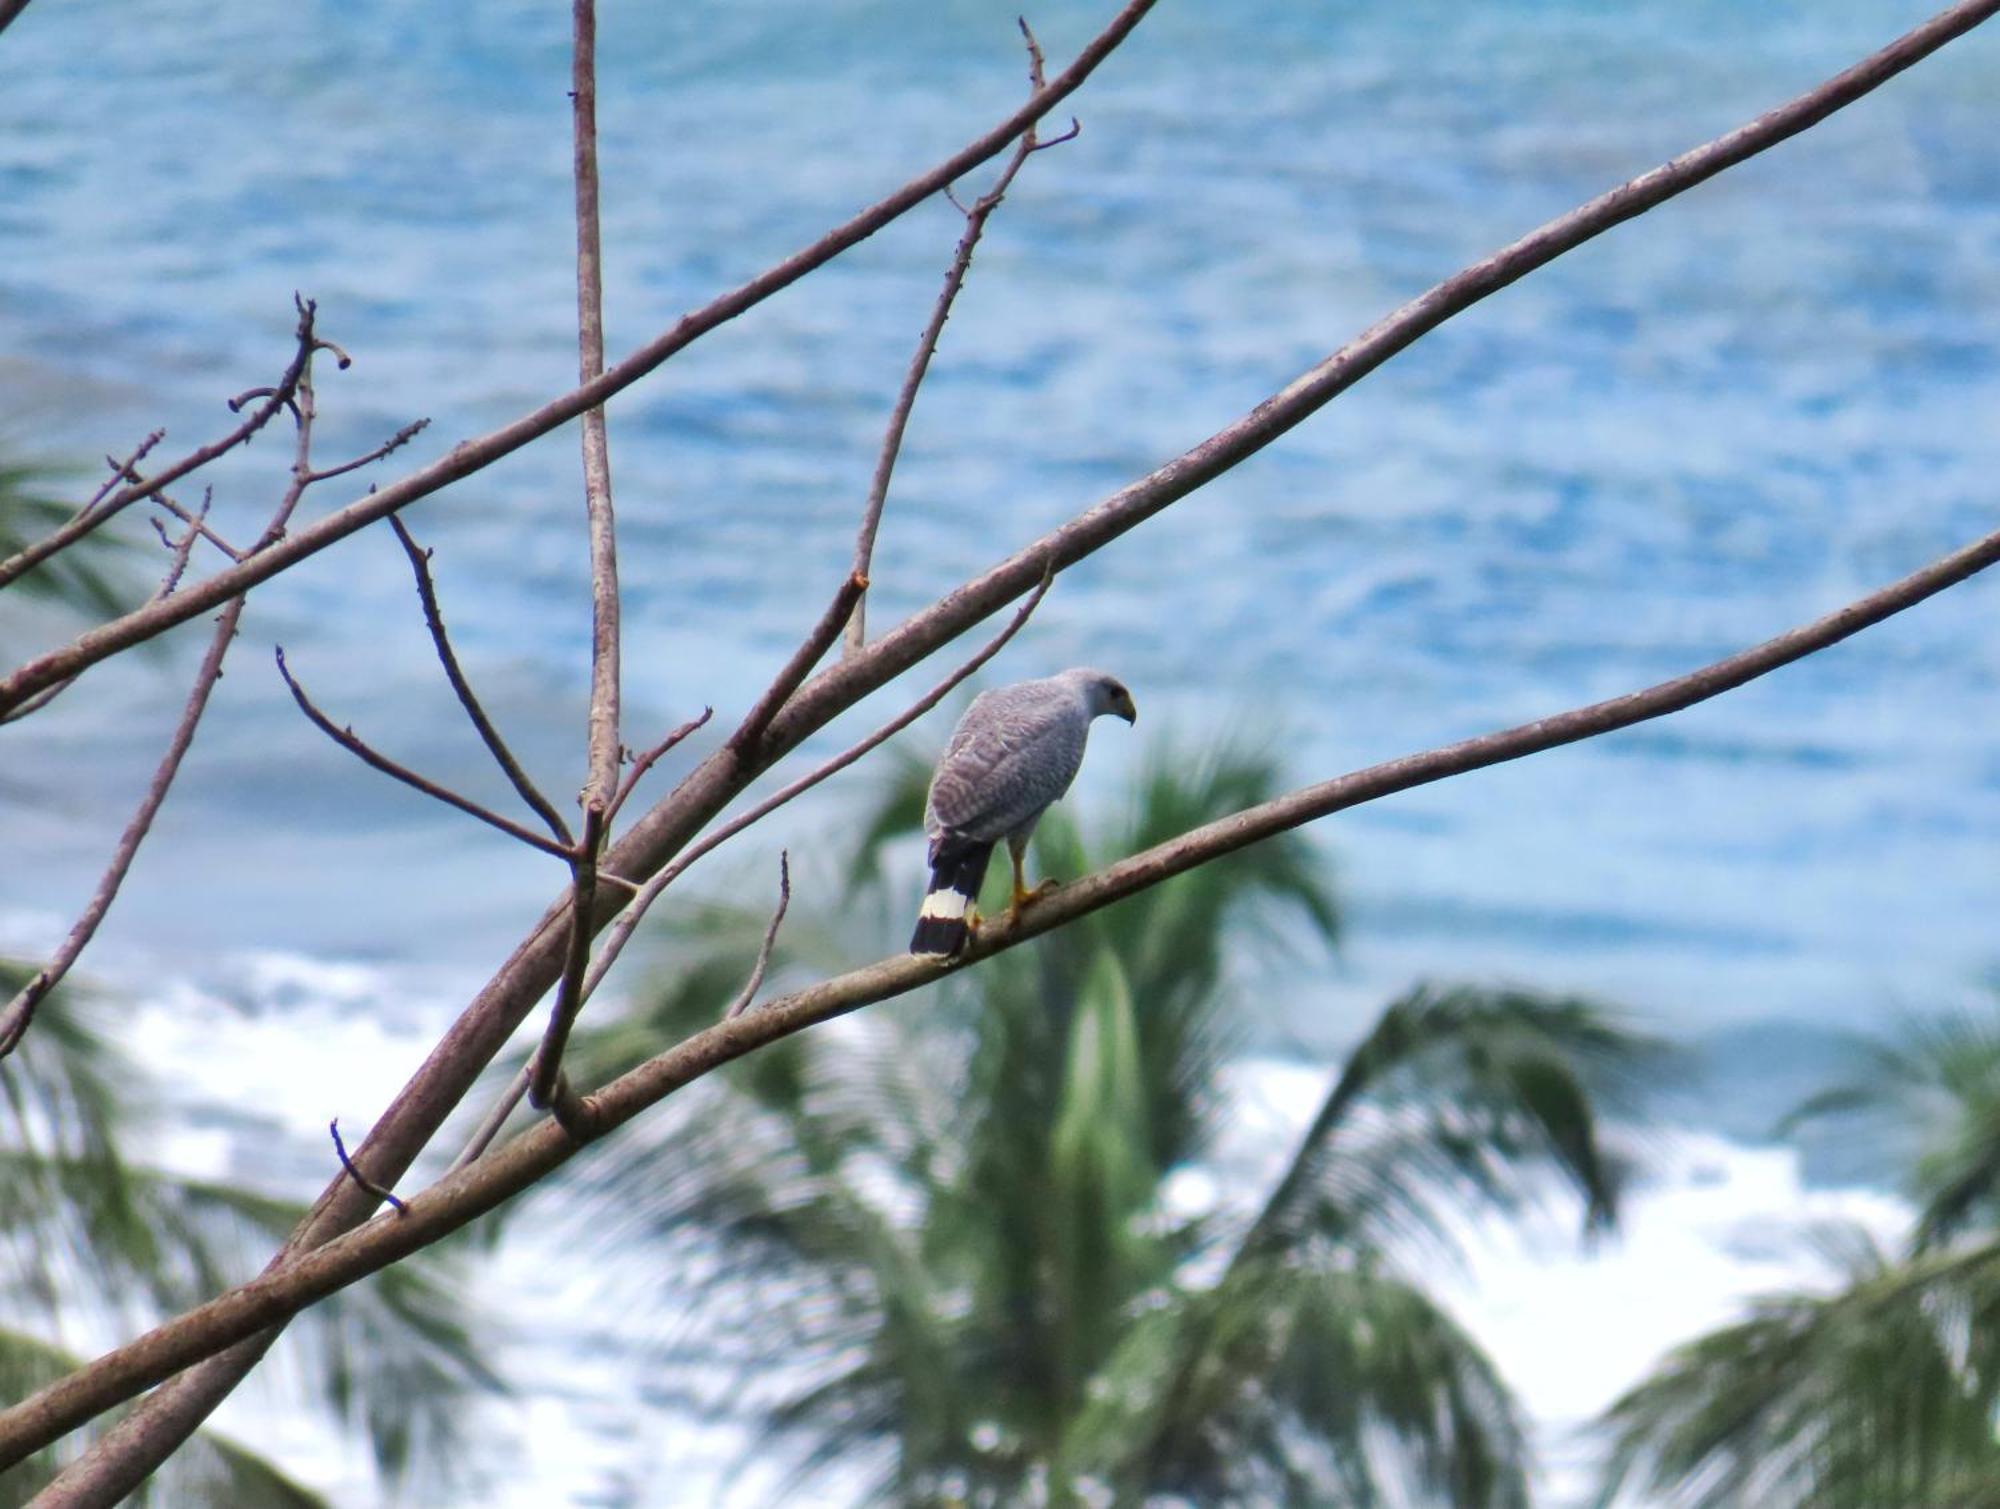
1711 424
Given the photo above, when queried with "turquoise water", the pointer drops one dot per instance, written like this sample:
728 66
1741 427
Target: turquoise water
1709 425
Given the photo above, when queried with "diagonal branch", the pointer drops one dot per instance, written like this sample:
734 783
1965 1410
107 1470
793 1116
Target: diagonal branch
349 741
460 1197
19 1014
748 993
473 455
646 761
496 746
750 733
920 363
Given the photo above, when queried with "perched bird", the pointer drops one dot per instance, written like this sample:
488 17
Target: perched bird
1013 753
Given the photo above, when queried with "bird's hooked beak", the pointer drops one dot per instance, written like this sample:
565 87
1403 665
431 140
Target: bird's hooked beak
1127 709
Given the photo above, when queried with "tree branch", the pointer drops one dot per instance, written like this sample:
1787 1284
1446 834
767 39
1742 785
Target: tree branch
819 639
602 785
749 991
348 740
489 735
645 762
477 1188
19 1014
473 455
920 363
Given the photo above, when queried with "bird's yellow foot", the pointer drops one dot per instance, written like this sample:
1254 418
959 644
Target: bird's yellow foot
1024 897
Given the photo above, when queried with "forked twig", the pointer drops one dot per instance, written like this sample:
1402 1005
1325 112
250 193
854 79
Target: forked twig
749 991
954 279
106 508
651 757
496 746
348 740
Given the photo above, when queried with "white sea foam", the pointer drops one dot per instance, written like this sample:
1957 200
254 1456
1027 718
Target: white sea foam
282 1043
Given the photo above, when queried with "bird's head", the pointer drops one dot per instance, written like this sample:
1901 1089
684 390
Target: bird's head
1107 694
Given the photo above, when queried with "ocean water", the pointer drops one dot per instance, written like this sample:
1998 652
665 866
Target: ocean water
1709 425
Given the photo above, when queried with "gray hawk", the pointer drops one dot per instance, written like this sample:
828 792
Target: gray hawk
1013 753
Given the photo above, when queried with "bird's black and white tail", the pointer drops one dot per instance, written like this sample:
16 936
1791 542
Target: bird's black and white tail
958 865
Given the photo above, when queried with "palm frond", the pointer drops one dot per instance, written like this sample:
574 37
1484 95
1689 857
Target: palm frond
1933 1091
1461 1093
1884 1393
84 577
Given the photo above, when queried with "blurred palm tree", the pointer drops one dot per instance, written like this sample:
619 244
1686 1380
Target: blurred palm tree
1885 1392
83 577
90 1243
992 1247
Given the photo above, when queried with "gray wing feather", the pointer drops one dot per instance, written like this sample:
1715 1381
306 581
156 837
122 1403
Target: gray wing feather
1015 751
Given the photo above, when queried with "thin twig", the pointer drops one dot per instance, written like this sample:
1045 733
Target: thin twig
463 460
546 1089
394 443
793 673
461 1197
333 1127
495 1118
200 522
913 378
84 522
749 992
645 762
124 471
621 928
349 741
497 746
20 1012
182 548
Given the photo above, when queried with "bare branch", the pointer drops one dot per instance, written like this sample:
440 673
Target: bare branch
20 1012
349 741
90 518
545 1086
497 746
652 757
199 522
920 362
333 1129
495 1118
251 1308
388 447
795 670
601 787
473 455
124 471
749 992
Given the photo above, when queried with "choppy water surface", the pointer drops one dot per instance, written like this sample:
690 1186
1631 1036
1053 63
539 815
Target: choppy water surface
1705 427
